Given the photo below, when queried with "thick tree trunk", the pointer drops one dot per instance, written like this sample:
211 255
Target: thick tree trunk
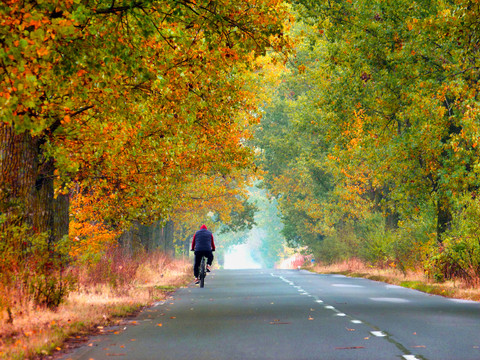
26 184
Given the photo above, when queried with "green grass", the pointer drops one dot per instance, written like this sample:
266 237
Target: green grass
166 287
125 310
427 288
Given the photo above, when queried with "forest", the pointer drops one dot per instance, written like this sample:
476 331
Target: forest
345 128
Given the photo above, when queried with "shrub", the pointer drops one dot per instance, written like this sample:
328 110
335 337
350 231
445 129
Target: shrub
458 256
31 269
340 246
115 267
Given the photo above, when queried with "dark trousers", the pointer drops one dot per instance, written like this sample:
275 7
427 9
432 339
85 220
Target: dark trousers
198 258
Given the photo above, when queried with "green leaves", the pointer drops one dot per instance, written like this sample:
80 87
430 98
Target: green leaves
374 116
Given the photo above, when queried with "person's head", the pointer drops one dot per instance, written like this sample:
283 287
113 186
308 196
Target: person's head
203 227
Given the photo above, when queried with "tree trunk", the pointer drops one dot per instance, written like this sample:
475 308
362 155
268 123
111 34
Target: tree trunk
444 217
169 234
27 185
391 219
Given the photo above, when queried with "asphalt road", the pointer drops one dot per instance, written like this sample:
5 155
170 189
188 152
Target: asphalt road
289 314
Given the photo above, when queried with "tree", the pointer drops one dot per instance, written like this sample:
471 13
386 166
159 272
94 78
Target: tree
121 105
385 111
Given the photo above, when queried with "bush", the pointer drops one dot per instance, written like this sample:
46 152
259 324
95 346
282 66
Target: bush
376 248
31 269
458 256
115 267
340 246
455 258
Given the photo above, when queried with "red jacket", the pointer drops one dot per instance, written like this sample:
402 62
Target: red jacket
203 240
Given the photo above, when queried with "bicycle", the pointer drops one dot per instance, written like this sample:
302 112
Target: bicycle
202 271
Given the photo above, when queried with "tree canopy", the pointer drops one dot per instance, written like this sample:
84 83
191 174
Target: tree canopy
115 112
377 114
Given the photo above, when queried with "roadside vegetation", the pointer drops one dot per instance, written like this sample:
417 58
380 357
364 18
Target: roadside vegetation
118 285
413 279
370 136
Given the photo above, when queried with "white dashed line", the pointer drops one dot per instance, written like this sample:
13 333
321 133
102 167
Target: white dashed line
354 321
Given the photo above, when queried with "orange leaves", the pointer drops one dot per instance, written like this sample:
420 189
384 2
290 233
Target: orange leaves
42 51
151 113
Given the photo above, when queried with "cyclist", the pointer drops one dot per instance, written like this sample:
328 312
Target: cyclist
203 245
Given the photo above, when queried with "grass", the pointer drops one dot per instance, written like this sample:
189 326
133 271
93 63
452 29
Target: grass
411 279
37 332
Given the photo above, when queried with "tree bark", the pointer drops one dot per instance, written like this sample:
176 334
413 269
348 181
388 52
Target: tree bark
444 217
27 184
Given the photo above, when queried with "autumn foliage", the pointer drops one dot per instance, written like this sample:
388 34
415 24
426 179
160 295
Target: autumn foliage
374 152
128 112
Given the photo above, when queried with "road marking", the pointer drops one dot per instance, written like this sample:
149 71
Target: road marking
354 321
391 300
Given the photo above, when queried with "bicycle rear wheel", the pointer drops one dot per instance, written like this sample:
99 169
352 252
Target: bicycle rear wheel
203 272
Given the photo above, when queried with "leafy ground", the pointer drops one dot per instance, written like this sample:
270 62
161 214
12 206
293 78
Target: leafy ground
411 279
38 333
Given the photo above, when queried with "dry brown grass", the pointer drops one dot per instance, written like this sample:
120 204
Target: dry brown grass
38 331
414 279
